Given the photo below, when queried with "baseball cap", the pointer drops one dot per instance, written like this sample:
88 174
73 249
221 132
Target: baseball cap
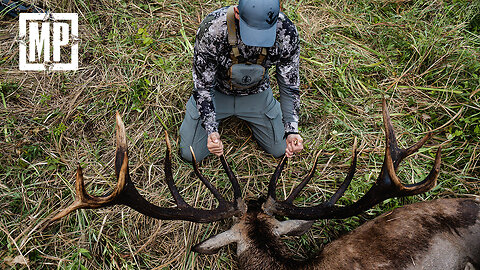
258 21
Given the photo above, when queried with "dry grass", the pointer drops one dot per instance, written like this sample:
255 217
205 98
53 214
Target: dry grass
421 55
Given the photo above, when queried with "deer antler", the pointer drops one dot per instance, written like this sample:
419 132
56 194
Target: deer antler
387 185
83 200
125 192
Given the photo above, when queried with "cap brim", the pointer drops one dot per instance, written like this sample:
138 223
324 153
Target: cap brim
257 37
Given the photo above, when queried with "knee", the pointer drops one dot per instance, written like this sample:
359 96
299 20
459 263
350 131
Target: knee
185 154
200 153
277 150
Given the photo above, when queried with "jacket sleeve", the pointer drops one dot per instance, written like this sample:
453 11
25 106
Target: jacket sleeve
204 73
288 78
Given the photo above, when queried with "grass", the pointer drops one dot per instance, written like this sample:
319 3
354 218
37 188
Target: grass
136 58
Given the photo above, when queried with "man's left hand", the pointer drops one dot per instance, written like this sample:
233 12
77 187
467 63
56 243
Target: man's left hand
294 144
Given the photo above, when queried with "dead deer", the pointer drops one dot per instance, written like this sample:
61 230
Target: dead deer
438 234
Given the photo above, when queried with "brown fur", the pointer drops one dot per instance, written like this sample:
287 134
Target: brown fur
395 240
265 250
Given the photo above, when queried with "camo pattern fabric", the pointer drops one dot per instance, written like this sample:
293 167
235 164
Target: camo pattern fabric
212 61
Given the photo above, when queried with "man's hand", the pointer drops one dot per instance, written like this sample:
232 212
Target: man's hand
294 144
214 144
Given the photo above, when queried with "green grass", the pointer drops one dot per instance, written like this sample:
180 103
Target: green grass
136 58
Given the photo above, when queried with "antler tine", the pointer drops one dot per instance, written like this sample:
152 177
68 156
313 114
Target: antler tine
169 176
413 189
204 180
304 182
121 158
237 192
79 197
121 142
348 179
394 155
398 154
272 186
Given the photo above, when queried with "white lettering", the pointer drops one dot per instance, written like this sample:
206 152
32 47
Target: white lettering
40 42
64 34
59 30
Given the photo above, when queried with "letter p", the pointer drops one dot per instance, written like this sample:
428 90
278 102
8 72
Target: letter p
60 38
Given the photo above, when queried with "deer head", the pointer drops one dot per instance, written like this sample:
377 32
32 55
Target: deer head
257 230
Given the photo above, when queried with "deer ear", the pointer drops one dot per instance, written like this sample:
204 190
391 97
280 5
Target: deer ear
292 227
213 244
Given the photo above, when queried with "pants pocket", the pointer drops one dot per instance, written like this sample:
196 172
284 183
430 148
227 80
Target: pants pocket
192 134
274 115
191 109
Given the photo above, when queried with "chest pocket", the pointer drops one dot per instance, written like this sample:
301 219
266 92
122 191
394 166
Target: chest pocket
242 75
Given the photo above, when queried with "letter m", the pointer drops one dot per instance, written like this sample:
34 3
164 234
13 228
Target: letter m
39 42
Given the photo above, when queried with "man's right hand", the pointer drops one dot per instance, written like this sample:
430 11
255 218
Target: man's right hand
214 144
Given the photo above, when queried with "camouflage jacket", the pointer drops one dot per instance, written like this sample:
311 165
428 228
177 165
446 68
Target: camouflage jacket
212 61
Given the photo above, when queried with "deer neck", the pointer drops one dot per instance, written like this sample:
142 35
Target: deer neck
263 249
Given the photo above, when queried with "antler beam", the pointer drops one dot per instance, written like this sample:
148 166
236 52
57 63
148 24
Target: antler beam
387 185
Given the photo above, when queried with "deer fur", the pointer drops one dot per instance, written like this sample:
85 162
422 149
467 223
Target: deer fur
440 234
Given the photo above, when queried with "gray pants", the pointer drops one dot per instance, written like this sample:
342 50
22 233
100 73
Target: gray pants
261 111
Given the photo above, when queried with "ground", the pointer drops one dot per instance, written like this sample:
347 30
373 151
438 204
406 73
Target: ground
135 58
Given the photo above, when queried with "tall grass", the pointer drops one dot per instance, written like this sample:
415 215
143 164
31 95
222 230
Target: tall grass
136 58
